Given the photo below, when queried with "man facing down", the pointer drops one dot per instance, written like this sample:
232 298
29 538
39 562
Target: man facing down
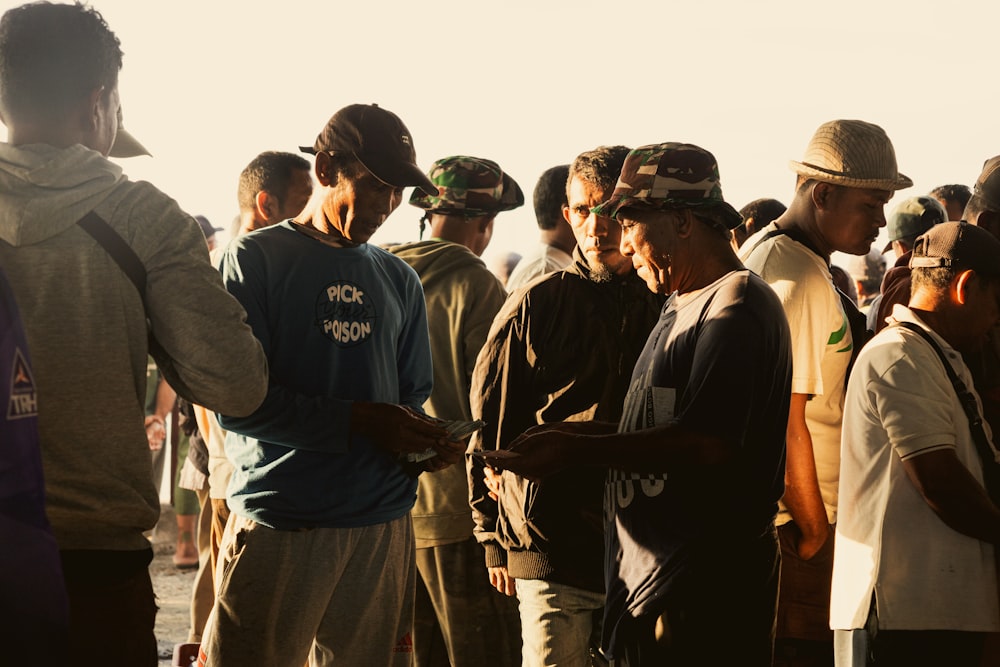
318 552
914 580
697 459
847 176
454 601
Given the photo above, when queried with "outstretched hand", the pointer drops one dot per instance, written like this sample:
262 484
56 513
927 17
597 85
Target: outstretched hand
400 429
534 455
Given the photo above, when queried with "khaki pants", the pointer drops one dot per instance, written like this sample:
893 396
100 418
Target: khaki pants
203 594
460 619
339 596
804 637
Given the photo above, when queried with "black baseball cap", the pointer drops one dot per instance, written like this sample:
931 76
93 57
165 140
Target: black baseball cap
959 245
379 140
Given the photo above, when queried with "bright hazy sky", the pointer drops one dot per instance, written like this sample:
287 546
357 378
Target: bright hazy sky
208 84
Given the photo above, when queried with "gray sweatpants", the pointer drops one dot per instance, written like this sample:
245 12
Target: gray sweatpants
339 596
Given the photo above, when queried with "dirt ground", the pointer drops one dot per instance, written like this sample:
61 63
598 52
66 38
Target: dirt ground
172 587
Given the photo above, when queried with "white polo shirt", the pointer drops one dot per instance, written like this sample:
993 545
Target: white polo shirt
925 576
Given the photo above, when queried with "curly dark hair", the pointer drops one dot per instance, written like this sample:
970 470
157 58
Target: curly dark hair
955 192
51 57
600 167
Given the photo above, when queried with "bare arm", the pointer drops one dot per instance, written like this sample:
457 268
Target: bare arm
155 423
954 494
165 399
659 449
802 495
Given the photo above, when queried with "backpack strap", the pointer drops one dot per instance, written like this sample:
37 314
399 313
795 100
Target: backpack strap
987 454
856 320
119 250
132 266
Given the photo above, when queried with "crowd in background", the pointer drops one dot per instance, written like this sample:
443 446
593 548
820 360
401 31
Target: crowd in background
672 434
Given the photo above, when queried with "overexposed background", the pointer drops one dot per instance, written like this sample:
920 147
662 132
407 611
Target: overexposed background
208 84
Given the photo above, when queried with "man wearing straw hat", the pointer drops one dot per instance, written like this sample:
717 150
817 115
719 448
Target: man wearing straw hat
847 176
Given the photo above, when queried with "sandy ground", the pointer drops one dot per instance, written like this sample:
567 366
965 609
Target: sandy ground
173 589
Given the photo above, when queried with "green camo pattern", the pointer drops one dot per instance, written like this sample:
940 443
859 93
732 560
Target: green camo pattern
469 186
668 175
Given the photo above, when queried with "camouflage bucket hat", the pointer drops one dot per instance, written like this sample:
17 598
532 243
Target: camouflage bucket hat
469 186
669 176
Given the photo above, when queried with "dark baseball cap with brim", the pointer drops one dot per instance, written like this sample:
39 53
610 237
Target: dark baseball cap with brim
988 184
125 144
207 228
379 140
957 245
669 176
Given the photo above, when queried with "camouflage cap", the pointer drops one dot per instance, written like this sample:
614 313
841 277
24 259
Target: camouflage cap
469 186
669 176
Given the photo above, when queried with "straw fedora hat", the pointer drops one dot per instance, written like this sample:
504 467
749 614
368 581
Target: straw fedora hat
852 153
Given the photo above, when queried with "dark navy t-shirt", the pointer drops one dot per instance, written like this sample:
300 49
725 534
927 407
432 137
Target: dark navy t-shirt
718 362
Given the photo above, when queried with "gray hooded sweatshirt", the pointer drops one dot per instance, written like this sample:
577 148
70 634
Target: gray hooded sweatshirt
87 334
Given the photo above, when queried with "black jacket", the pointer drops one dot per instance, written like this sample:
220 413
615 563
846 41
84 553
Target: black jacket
561 349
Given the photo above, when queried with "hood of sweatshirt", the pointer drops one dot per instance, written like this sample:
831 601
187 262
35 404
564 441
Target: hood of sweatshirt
436 260
44 190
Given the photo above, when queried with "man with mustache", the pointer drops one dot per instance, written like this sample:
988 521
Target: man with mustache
560 350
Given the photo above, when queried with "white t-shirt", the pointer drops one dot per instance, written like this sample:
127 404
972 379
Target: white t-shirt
821 346
543 260
925 576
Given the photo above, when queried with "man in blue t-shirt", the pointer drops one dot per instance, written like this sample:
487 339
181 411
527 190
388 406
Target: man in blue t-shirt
319 550
697 462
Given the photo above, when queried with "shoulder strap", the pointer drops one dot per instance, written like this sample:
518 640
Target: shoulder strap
119 250
858 322
770 235
132 266
965 397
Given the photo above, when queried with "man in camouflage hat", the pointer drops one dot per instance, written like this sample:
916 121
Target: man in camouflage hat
696 460
479 626
845 179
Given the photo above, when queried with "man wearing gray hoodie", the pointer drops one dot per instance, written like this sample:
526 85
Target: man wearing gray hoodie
478 625
89 325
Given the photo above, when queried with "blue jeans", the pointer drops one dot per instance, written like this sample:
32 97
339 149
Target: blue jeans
560 624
